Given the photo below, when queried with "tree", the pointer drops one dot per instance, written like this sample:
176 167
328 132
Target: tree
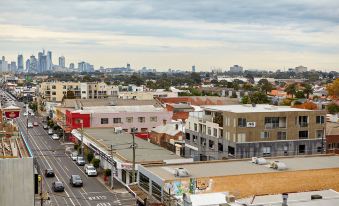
90 156
333 88
96 163
308 90
333 108
245 100
265 85
291 89
299 95
259 98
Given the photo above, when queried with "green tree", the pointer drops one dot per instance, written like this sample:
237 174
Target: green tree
299 95
245 100
291 89
90 156
333 108
308 90
333 88
259 98
96 162
265 86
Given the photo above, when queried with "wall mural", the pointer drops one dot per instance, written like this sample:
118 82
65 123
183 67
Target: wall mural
191 186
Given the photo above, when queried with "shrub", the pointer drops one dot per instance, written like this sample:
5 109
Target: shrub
96 163
107 172
90 156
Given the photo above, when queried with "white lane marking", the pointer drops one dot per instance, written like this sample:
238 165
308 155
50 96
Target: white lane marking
66 168
51 167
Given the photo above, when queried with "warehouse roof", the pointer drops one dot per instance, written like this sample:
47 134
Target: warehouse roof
145 151
240 167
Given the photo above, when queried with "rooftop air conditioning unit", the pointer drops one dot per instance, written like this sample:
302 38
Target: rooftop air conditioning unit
181 172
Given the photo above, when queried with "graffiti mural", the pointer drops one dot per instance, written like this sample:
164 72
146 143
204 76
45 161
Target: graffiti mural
191 186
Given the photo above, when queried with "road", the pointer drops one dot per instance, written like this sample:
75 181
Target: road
51 154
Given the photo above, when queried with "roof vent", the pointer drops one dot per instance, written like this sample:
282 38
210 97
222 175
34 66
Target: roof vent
181 172
316 197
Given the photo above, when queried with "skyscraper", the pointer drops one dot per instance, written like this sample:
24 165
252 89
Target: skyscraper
71 66
193 68
49 60
3 64
28 63
33 66
62 61
20 62
40 54
13 67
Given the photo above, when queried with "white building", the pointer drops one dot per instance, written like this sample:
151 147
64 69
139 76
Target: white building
236 69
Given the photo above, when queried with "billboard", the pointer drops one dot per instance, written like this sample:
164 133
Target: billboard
12 114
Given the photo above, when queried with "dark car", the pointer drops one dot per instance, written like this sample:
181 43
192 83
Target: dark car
76 181
58 186
49 173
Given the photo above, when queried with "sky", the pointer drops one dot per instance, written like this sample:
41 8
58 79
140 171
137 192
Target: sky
163 34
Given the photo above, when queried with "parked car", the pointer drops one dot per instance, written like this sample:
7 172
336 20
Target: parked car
25 114
55 137
49 172
80 161
29 125
50 131
90 170
35 124
31 113
58 186
74 155
76 180
45 126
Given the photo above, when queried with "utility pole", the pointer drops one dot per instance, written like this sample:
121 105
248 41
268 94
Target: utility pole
133 148
112 168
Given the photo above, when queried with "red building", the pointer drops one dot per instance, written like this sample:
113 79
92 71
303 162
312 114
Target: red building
74 119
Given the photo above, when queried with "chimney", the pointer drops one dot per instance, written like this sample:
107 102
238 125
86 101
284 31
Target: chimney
285 197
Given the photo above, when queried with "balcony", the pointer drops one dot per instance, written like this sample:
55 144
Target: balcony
303 124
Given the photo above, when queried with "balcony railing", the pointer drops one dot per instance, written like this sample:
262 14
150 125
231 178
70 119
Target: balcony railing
275 125
303 124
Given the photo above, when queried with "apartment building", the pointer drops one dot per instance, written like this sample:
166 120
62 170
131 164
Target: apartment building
55 91
243 131
142 117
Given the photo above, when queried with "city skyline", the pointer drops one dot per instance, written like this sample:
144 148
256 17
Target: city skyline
275 35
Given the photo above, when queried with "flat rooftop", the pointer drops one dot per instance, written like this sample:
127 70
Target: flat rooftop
145 151
248 108
330 197
117 109
242 167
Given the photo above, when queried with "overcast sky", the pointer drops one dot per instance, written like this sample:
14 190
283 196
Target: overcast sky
266 34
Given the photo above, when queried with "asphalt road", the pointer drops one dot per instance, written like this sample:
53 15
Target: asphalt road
51 154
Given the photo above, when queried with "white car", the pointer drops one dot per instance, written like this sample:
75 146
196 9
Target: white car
74 155
50 131
90 170
25 114
29 125
55 137
31 113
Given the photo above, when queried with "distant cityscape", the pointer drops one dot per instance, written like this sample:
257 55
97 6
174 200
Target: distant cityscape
43 63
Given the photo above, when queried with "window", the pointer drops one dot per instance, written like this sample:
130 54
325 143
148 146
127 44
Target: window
303 121
195 138
141 119
281 135
209 130
275 122
195 127
188 136
116 120
53 93
266 151
144 181
156 191
220 147
265 135
53 87
241 122
129 119
64 86
104 120
215 132
78 121
320 119
153 119
202 141
241 137
211 144
303 134
319 134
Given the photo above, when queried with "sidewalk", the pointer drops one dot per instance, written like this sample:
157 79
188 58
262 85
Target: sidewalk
118 187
